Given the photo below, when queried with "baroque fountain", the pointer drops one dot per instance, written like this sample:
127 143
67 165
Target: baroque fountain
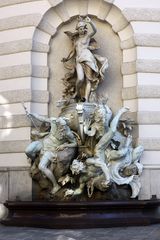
83 161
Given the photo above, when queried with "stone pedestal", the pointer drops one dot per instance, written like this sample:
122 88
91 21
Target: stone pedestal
82 214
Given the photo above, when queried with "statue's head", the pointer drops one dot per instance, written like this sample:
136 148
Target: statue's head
62 127
77 167
114 144
61 121
81 26
99 115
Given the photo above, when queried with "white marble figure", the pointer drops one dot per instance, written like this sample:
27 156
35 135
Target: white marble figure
122 158
99 158
90 176
59 138
86 66
100 124
86 147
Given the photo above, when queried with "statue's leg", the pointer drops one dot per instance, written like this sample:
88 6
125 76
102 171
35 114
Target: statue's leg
137 153
87 90
80 79
114 122
32 149
105 140
43 167
79 190
101 164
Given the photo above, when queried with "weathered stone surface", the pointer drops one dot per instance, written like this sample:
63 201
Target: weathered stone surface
72 7
15 134
103 10
15 71
40 47
148 40
55 2
20 185
109 1
13 161
40 96
141 92
83 7
129 55
20 21
148 91
148 117
40 71
142 14
129 93
16 96
15 46
14 121
131 115
126 33
14 168
150 143
93 7
150 66
113 15
128 68
129 43
12 2
120 24
149 104
154 182
62 12
24 95
142 27
13 146
3 186
47 27
145 192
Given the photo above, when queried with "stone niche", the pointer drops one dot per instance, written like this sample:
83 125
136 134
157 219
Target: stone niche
109 44
111 87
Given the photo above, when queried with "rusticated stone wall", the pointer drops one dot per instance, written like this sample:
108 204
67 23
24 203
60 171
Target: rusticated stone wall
26 29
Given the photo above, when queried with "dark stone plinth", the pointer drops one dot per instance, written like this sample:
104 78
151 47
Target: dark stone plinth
82 214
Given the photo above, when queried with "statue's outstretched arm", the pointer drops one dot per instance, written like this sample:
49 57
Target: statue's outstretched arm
71 140
71 54
35 133
40 118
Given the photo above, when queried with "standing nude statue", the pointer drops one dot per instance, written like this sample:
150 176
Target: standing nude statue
86 63
59 138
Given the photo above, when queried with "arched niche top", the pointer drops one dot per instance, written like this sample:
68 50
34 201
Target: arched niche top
62 11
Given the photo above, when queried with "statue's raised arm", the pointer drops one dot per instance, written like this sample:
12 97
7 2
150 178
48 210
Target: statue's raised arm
94 29
41 118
